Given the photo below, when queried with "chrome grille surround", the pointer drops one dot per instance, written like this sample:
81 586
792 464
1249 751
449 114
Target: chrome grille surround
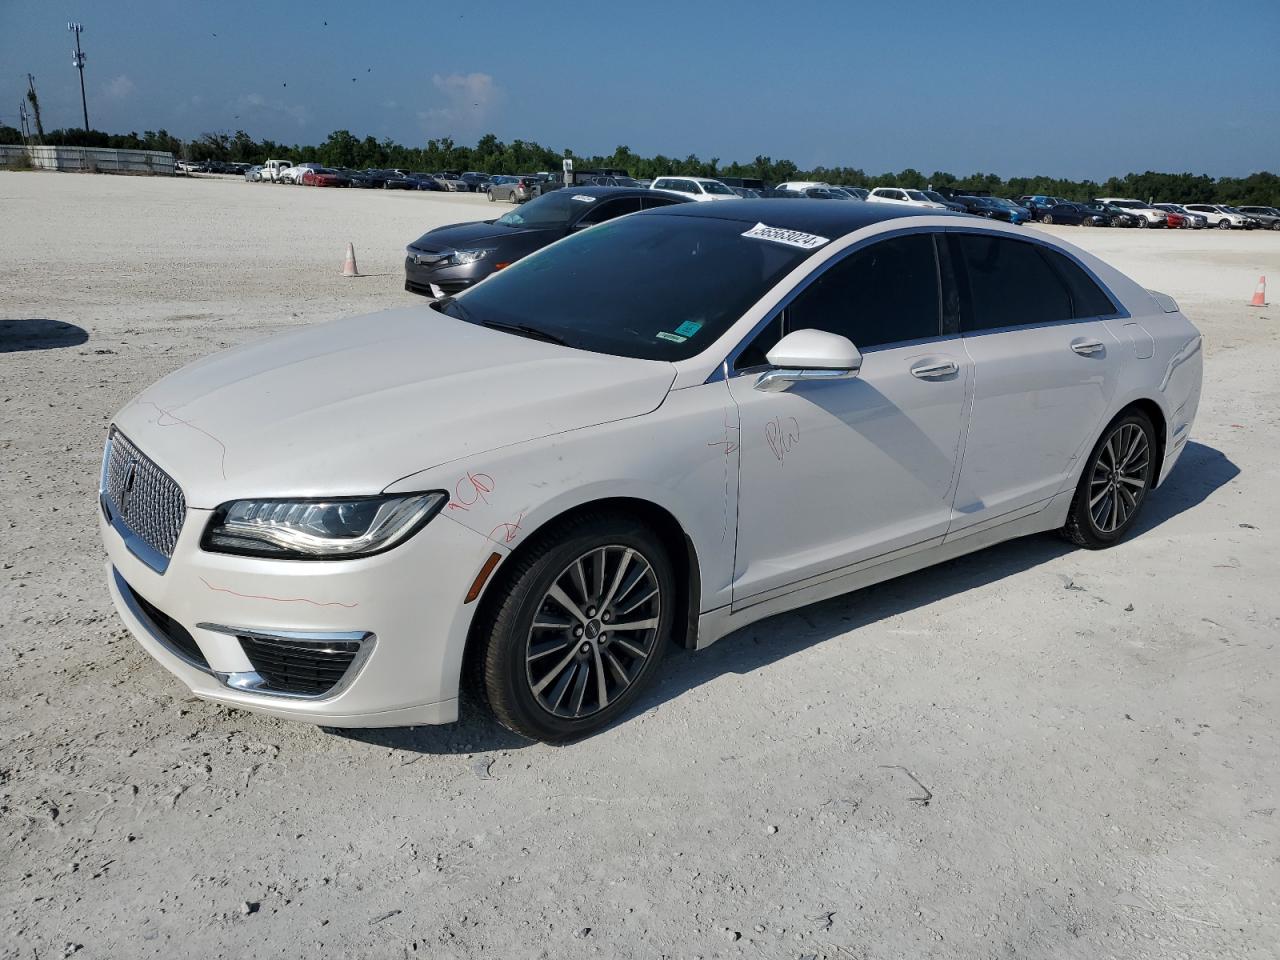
144 504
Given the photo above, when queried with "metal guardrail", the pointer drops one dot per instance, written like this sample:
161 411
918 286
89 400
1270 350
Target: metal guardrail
88 159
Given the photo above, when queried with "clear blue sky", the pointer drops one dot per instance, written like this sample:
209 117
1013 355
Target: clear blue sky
1077 88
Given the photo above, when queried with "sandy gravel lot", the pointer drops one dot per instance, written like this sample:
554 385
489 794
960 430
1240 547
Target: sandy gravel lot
1098 730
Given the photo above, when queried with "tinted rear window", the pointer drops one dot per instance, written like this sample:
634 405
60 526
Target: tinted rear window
1010 284
649 286
1087 298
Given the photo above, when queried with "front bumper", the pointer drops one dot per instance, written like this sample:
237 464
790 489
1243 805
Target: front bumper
403 608
431 280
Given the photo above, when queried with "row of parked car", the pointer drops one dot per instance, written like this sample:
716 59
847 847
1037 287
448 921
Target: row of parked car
520 188
1099 212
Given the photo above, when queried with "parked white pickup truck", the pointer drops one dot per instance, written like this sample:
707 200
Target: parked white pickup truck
273 169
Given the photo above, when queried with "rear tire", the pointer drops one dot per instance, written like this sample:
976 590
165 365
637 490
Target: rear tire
1114 485
551 666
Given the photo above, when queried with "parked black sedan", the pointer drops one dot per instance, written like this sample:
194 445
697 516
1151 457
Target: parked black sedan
1074 214
1113 216
445 261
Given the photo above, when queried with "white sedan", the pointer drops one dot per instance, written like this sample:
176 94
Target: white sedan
907 198
654 431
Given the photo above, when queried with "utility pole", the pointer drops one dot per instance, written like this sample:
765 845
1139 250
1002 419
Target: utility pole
78 62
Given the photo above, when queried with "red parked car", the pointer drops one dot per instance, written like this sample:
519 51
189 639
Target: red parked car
1175 219
324 177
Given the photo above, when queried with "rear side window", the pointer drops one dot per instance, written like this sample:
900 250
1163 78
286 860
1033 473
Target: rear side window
612 208
884 293
1010 284
1087 298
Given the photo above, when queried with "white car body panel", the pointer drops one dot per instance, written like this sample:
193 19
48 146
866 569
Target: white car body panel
518 431
381 370
898 435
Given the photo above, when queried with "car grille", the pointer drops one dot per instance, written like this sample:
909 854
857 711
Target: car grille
301 667
141 496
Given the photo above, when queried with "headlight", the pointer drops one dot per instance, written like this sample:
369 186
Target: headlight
461 257
340 528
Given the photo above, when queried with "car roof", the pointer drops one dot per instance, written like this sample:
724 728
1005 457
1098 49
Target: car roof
597 191
825 219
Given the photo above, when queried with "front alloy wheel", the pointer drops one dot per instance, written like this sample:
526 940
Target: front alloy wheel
575 627
597 625
1114 484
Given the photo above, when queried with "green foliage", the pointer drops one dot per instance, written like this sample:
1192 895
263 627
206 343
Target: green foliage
491 155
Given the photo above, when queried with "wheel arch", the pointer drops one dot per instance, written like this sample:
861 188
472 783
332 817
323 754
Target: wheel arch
679 545
1153 412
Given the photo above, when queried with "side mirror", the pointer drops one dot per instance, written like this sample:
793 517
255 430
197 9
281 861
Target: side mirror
807 355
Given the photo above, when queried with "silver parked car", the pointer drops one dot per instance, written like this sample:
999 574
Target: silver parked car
513 189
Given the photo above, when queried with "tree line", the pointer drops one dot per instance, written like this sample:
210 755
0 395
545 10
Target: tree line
491 155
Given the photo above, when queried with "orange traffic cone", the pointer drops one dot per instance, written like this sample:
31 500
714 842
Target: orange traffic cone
1260 294
349 268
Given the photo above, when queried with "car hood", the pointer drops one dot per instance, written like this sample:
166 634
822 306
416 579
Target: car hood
459 235
351 406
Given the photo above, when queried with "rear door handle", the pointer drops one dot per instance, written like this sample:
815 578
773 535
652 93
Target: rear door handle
1086 347
932 371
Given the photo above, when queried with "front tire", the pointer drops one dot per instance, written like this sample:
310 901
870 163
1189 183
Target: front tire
1048 218
490 192
1116 479
576 627
1224 224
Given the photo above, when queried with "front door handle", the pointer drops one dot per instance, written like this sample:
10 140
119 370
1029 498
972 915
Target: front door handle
1086 347
932 371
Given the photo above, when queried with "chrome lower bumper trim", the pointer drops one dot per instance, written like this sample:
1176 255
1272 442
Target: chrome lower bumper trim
251 681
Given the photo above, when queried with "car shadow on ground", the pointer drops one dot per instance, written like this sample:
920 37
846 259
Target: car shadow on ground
17 336
1201 471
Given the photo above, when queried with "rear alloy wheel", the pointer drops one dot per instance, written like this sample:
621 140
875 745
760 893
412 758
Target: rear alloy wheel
578 627
1114 484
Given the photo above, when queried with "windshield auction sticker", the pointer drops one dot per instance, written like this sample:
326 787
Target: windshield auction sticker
792 238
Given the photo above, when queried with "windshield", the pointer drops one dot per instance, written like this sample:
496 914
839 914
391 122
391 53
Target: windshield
597 290
554 209
916 195
935 197
715 186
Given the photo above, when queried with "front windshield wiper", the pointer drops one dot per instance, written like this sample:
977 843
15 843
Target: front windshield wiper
524 330
520 329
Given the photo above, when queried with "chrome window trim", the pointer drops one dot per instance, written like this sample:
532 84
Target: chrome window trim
250 681
725 369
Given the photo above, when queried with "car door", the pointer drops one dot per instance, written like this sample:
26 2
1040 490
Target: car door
1045 370
832 474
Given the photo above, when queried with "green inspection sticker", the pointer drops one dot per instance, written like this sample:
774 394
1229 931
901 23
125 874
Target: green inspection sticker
673 337
689 328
